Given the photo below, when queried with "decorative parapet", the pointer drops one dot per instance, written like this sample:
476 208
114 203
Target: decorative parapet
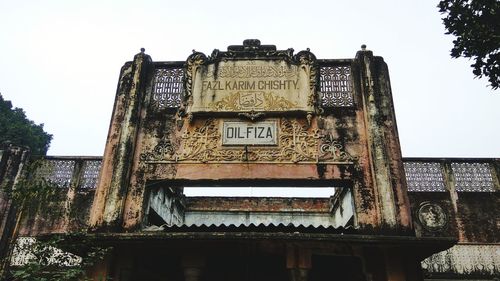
334 84
79 172
422 174
461 174
455 197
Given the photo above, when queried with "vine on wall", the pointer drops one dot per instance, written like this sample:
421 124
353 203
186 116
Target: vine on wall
33 259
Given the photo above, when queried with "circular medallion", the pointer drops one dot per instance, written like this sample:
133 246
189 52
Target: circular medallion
432 216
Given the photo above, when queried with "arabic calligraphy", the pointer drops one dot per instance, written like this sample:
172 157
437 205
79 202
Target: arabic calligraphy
252 100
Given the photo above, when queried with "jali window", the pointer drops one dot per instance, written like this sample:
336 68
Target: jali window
336 86
168 87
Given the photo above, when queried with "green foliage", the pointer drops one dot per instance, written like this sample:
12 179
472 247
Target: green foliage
476 26
16 128
34 193
49 259
46 263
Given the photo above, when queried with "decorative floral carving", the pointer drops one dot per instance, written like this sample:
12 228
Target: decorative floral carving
275 103
297 143
251 101
164 149
252 115
251 48
199 144
230 102
466 259
332 149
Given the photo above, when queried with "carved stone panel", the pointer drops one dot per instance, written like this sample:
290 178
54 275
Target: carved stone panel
296 142
251 85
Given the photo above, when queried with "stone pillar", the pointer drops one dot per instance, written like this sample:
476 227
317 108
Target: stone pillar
114 181
298 262
383 152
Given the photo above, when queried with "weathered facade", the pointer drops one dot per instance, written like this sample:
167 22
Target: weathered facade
257 116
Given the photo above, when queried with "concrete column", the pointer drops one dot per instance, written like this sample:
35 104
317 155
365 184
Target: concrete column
298 262
114 181
384 152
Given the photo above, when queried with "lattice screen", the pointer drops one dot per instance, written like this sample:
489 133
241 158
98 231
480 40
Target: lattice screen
168 87
424 176
472 177
58 172
61 172
336 86
90 174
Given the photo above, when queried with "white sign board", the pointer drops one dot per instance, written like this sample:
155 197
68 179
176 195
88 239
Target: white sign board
247 133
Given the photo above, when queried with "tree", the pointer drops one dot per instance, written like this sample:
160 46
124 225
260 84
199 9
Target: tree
476 26
16 128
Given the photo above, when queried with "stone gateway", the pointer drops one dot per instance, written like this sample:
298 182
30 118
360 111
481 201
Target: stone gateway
256 116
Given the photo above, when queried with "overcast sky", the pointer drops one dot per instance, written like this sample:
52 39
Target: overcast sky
60 61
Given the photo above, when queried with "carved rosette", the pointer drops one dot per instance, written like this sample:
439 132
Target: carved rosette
297 143
432 216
